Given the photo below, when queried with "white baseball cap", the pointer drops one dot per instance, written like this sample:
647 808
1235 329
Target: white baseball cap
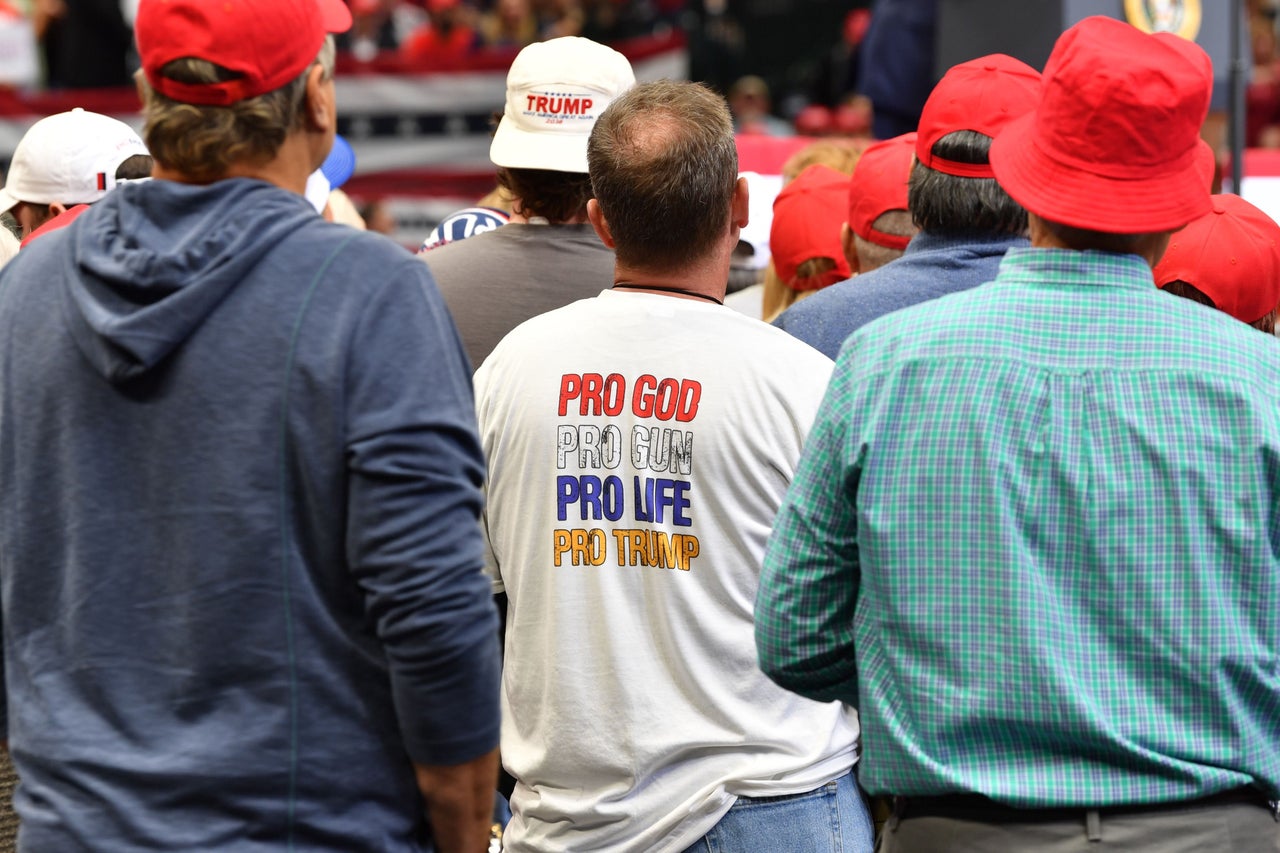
69 158
555 91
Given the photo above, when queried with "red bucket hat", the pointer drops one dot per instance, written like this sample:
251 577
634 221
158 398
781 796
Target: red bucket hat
880 185
1231 255
267 43
1114 143
981 95
806 225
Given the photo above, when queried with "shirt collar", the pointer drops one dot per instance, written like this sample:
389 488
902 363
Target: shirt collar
1071 267
976 241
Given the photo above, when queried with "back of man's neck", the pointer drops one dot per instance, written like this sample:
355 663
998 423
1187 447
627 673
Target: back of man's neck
700 281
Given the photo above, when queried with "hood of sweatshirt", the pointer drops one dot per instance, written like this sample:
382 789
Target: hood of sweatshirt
146 265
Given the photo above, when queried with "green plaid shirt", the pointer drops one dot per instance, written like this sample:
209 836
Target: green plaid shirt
1035 540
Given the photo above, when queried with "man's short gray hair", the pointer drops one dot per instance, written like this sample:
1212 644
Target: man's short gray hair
947 204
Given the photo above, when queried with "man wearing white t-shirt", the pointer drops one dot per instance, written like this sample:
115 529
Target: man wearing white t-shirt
639 444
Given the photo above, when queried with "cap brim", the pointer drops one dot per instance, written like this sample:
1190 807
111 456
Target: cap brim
514 148
335 15
340 165
1081 199
7 202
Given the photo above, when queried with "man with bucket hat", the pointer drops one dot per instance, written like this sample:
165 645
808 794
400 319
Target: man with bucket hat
967 222
1033 533
240 554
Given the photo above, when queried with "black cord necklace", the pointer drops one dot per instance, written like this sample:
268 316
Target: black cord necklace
626 285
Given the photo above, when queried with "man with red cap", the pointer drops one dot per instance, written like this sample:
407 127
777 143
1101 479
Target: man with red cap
1033 535
804 236
880 224
813 248
1228 259
243 598
967 222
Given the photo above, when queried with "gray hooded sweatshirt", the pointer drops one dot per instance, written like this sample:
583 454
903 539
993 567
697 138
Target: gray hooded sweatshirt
240 560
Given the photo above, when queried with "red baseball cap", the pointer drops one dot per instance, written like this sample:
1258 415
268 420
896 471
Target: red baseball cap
806 225
267 43
1114 143
1231 255
982 95
879 185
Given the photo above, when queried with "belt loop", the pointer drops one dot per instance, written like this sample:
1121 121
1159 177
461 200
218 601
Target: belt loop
895 817
1093 825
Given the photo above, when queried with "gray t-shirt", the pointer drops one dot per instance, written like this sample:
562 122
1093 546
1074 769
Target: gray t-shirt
494 281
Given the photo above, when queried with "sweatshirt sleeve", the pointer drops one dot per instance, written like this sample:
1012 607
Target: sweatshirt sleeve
414 542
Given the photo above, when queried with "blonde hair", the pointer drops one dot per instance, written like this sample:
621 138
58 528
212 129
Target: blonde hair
779 296
839 154
204 141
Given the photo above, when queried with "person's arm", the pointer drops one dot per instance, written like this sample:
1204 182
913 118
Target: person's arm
414 542
4 695
460 802
809 585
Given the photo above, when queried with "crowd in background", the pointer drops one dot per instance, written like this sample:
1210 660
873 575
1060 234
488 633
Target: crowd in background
782 63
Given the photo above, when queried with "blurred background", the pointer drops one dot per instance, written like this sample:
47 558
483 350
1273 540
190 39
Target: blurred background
420 81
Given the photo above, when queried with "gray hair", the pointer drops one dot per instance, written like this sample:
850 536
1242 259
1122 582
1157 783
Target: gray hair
897 223
947 204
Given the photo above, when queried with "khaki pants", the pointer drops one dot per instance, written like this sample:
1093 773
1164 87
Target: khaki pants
1232 828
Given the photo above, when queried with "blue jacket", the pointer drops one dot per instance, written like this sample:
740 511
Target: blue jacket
932 266
240 561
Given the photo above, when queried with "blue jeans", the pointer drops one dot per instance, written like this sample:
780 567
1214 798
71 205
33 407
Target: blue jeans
830 819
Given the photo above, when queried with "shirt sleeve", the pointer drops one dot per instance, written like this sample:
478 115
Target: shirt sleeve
491 565
414 500
809 585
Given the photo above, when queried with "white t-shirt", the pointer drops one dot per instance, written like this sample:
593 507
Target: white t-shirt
639 446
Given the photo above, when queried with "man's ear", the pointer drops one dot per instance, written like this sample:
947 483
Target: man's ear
849 246
741 206
598 222
321 106
140 85
56 208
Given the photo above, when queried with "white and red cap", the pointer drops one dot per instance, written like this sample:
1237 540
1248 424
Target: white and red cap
555 92
69 158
